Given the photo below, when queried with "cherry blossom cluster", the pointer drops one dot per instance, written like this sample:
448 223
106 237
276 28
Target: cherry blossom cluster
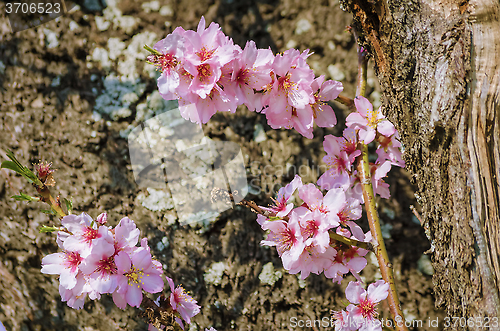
301 234
207 72
363 127
97 259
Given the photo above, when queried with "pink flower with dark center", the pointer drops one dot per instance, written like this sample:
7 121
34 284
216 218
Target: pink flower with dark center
182 303
64 264
208 51
101 268
351 211
290 93
348 258
339 165
364 302
390 149
84 233
329 205
281 206
368 121
171 50
324 116
314 227
349 144
247 73
287 238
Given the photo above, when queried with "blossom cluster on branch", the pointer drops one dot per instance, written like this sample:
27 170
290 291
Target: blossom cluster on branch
97 259
207 72
301 234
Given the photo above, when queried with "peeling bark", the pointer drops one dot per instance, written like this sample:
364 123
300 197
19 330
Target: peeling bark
438 63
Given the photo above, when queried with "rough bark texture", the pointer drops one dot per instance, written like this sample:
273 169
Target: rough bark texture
438 63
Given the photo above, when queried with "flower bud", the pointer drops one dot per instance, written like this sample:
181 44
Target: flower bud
102 219
44 173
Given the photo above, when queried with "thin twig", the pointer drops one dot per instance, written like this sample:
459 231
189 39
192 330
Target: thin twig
417 215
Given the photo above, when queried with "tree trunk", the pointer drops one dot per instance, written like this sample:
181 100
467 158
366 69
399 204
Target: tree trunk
438 63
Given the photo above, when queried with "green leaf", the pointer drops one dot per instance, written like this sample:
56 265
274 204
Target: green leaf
24 197
69 205
47 229
20 169
12 166
52 212
151 50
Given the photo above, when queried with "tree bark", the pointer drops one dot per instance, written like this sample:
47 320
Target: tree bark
438 63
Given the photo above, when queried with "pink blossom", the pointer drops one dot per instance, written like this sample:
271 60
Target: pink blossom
171 50
339 164
261 219
349 144
248 72
287 238
390 149
348 258
208 51
200 110
324 116
64 264
281 206
363 308
182 303
312 261
330 205
102 218
75 297
126 236
84 232
314 227
351 211
302 121
290 93
368 121
380 187
135 273
101 268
